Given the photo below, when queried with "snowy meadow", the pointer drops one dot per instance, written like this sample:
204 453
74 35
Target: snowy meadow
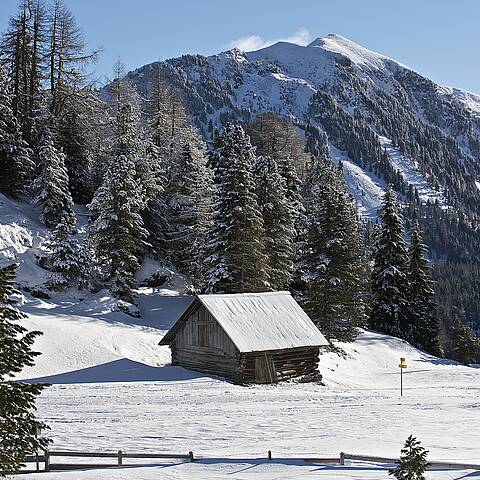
125 395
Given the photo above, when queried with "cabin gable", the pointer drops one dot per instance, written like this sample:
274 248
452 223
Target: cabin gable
200 330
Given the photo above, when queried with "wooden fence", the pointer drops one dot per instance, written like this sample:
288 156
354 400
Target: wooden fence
119 456
49 465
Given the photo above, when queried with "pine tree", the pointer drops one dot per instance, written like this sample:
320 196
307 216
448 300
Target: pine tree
462 345
118 234
278 221
413 461
235 252
15 156
332 266
389 303
189 210
18 424
423 324
68 260
52 184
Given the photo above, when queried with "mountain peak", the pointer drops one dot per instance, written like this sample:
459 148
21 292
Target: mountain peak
356 53
333 37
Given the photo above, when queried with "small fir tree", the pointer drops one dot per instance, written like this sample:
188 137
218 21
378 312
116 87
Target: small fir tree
68 260
18 423
413 461
389 311
236 260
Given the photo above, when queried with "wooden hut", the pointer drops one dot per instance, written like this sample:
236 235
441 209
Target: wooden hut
246 338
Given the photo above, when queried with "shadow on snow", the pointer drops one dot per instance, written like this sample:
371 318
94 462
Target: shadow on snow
122 370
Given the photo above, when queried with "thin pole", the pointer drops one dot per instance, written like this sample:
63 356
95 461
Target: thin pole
401 381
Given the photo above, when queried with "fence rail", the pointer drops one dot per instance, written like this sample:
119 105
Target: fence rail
46 459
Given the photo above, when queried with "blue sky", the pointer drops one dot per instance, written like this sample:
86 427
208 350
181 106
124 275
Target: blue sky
438 38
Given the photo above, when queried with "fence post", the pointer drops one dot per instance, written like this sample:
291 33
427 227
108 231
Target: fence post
46 457
120 459
269 454
190 454
342 458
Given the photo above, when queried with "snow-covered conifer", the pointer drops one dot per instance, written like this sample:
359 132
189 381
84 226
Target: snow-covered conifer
18 423
16 166
189 211
52 184
462 345
235 252
389 281
118 233
333 262
68 260
278 221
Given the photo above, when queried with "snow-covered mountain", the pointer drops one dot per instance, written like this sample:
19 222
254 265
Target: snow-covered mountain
366 103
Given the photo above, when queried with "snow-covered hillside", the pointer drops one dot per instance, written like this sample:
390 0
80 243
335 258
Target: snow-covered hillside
108 370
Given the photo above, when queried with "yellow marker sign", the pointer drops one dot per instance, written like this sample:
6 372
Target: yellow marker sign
403 362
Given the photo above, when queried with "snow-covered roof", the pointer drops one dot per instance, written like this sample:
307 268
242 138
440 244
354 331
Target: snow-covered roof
260 321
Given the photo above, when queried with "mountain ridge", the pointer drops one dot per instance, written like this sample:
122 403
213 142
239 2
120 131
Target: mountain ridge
383 121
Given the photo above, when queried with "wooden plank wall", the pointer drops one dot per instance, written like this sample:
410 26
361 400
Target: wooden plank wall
279 364
202 345
202 330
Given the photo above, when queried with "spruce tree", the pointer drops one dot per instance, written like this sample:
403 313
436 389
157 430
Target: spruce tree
118 233
389 280
235 252
52 185
18 423
189 209
462 345
278 221
16 166
153 180
332 265
412 463
423 323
